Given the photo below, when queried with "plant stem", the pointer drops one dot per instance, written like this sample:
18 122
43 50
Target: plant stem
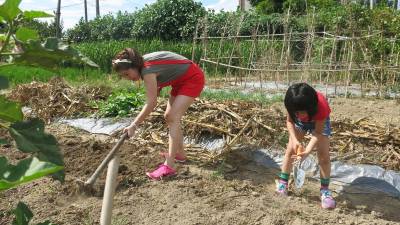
9 33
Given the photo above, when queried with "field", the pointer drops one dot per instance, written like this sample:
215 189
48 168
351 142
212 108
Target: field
231 190
62 109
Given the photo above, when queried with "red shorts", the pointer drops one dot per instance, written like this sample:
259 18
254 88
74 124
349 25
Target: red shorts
189 84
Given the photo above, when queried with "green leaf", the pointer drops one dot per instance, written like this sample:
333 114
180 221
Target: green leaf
50 54
24 34
10 111
25 171
36 14
3 142
22 214
9 10
3 37
3 83
31 138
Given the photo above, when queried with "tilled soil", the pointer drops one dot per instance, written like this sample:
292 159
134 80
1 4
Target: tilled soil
232 191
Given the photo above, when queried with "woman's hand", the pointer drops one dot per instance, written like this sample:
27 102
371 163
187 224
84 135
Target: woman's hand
130 129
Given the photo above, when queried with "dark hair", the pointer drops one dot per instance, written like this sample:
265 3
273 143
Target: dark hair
135 58
301 97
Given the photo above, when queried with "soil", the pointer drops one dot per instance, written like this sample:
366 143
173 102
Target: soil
233 191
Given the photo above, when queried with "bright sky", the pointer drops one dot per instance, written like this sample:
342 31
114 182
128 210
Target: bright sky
73 10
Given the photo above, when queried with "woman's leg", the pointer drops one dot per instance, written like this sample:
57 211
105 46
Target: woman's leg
173 116
180 152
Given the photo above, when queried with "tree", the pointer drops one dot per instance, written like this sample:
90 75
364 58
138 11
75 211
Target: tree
168 20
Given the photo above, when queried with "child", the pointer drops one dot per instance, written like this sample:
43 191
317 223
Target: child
158 70
308 112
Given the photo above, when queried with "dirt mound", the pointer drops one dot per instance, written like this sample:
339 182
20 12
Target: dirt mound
56 98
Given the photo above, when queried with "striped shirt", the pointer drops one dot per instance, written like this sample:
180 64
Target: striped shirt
165 72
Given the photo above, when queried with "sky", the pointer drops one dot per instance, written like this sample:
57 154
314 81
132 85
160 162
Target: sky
73 10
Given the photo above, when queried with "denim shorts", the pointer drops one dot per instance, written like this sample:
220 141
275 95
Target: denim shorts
309 127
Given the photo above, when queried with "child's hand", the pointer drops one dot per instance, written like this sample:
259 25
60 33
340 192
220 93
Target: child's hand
303 154
130 130
299 152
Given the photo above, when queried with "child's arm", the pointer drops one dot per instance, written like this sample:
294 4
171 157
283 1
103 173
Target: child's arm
150 83
315 138
292 133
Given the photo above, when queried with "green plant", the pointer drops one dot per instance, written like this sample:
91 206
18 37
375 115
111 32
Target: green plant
168 20
29 136
121 104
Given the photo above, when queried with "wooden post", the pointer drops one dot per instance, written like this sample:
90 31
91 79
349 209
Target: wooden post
58 19
106 209
97 8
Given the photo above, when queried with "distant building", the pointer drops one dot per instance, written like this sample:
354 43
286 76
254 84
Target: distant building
244 5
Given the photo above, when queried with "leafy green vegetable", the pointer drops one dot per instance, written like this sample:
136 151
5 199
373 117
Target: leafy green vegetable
121 104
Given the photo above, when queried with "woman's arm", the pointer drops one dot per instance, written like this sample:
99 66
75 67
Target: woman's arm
150 83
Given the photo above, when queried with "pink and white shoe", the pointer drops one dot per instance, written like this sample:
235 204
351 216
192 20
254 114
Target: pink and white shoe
327 201
162 171
178 158
282 188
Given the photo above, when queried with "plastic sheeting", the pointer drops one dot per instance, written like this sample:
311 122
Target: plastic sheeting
368 179
98 126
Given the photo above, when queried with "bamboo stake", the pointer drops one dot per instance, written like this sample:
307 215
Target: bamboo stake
220 47
253 49
349 68
235 45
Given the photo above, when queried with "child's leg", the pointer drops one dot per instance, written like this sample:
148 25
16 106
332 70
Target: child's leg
173 118
288 163
324 161
327 201
290 151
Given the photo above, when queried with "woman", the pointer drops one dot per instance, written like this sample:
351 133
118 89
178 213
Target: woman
158 70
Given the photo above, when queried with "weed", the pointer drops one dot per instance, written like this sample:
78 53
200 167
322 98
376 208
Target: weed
121 104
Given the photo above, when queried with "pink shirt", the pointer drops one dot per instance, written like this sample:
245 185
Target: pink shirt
323 109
